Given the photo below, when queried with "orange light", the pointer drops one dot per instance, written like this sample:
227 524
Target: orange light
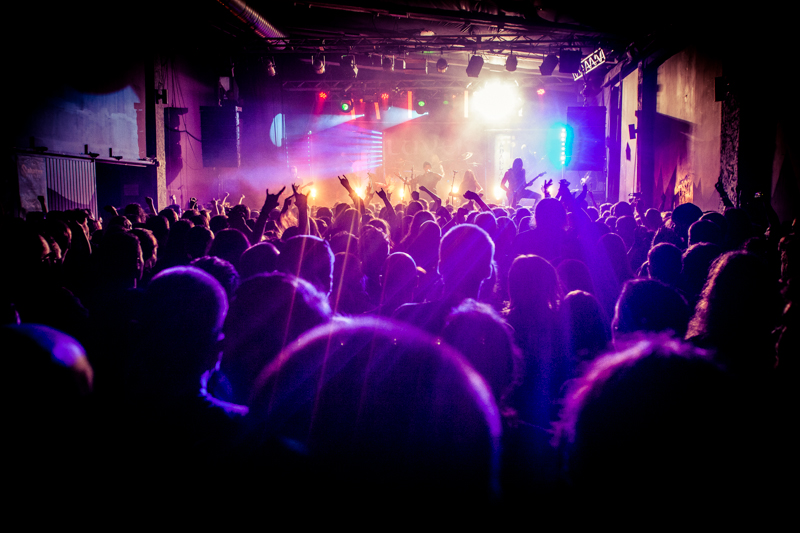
323 95
384 96
540 92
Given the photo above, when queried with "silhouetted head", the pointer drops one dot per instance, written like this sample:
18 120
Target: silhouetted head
665 263
669 433
309 258
268 312
533 284
737 311
550 215
487 341
220 270
465 256
575 276
229 245
384 407
261 258
587 326
181 319
705 231
652 219
649 305
198 241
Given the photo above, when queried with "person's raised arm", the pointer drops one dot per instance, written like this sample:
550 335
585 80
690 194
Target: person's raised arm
723 194
151 205
594 203
270 202
284 217
546 188
433 196
472 195
391 216
357 202
301 201
368 194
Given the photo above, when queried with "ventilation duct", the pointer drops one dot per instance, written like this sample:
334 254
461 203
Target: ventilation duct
250 16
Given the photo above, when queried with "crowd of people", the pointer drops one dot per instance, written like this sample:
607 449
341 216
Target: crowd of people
414 355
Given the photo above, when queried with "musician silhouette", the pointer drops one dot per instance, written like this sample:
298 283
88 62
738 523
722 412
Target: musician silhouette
515 185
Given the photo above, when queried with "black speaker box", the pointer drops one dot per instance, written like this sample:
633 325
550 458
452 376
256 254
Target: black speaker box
219 127
588 143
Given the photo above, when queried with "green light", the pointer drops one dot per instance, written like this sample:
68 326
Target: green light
446 102
421 103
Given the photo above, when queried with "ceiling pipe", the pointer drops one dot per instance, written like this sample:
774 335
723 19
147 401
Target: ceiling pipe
250 16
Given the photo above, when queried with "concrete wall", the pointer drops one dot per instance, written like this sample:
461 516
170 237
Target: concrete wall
627 167
687 130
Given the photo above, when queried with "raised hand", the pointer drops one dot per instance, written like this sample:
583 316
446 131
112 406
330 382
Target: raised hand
271 201
345 183
301 200
471 195
546 188
382 195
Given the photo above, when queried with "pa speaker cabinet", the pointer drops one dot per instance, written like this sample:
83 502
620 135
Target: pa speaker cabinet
219 127
588 142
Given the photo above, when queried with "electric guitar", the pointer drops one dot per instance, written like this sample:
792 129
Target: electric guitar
513 195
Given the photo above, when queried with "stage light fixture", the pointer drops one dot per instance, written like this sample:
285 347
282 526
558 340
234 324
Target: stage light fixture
548 65
511 63
323 95
475 66
540 92
270 62
441 65
400 64
318 62
388 63
497 100
346 105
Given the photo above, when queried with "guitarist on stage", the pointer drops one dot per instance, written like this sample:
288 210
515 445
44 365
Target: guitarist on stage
515 185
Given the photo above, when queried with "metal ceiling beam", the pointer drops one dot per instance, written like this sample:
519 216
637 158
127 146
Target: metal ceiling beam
535 47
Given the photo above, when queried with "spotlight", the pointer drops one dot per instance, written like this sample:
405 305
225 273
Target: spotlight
420 105
318 62
540 92
388 63
475 66
350 67
511 63
271 66
345 106
400 64
548 65
323 95
441 65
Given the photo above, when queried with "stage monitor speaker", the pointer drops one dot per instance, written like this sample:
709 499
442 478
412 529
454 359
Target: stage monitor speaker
219 127
588 142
